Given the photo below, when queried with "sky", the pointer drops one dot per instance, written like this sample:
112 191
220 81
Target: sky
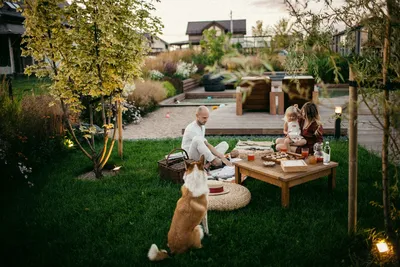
175 14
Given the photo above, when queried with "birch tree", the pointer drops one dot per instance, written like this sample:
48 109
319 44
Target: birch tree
92 51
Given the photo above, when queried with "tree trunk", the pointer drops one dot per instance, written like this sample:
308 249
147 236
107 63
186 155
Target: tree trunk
91 122
98 171
352 198
386 128
119 121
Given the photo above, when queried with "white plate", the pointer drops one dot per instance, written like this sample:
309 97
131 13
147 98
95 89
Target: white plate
269 163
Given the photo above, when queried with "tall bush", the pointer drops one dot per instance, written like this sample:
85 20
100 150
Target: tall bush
148 94
94 51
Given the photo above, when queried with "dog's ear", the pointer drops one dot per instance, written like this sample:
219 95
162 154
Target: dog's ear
202 159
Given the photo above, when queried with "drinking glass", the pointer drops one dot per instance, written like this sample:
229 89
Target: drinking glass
312 160
304 152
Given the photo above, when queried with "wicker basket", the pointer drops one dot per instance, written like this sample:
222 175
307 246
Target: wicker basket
173 169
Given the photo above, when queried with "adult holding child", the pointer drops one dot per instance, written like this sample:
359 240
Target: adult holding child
195 143
310 128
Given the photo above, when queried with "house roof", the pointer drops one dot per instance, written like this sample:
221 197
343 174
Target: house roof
8 28
197 27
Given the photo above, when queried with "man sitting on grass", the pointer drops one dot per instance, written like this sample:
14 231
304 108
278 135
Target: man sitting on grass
195 144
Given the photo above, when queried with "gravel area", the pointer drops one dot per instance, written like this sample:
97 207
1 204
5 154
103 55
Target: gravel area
157 125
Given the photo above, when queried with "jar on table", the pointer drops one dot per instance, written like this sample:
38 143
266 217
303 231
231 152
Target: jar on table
318 151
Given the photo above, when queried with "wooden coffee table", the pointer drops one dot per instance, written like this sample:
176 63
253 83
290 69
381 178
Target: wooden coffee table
285 180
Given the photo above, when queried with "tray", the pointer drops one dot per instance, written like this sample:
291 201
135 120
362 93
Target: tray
278 157
294 165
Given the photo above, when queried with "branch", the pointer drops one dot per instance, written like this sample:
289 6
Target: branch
378 120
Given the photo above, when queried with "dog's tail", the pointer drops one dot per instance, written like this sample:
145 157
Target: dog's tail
155 254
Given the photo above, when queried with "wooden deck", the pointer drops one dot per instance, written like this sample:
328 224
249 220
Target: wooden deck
224 121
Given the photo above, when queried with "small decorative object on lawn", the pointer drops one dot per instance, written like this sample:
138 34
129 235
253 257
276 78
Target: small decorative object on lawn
214 107
237 197
382 246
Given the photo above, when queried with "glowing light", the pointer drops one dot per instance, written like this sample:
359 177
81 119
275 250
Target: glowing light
338 110
382 247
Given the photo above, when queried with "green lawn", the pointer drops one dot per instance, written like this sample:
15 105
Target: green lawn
63 221
29 85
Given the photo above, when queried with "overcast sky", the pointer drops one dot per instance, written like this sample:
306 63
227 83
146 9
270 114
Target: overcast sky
175 14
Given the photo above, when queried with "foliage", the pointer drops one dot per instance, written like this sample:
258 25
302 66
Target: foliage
63 219
321 67
164 60
282 34
92 51
215 46
155 75
31 134
171 91
184 70
147 94
130 113
259 29
373 71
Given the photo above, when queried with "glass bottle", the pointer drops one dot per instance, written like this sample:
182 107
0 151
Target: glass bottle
327 153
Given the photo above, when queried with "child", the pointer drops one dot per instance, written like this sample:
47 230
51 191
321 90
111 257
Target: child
291 129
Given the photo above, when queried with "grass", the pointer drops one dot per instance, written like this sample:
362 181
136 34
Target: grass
63 221
29 85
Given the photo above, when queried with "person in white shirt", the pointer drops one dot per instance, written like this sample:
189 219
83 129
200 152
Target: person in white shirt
195 144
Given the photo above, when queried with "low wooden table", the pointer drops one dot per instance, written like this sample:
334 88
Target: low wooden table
285 180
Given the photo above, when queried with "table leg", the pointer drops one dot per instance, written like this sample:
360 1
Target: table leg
239 104
238 175
285 194
281 103
272 103
332 179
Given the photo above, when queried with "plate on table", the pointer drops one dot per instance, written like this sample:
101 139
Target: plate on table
278 157
268 163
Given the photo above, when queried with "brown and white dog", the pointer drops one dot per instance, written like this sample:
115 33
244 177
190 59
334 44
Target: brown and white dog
191 209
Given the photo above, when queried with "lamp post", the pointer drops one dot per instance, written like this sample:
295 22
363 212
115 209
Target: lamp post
338 120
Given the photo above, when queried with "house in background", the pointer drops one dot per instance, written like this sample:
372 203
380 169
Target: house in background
11 30
156 44
195 30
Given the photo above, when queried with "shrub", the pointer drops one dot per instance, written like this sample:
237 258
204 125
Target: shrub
31 133
156 75
321 66
147 94
169 69
158 62
184 70
171 91
130 113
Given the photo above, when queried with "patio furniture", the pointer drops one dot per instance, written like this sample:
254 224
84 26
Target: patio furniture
285 180
213 83
297 90
253 94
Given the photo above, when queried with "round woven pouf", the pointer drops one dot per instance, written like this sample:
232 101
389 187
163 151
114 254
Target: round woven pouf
238 197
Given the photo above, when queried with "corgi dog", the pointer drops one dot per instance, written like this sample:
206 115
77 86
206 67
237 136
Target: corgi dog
191 210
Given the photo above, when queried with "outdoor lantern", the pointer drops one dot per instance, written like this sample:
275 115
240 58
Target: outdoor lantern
382 247
338 111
